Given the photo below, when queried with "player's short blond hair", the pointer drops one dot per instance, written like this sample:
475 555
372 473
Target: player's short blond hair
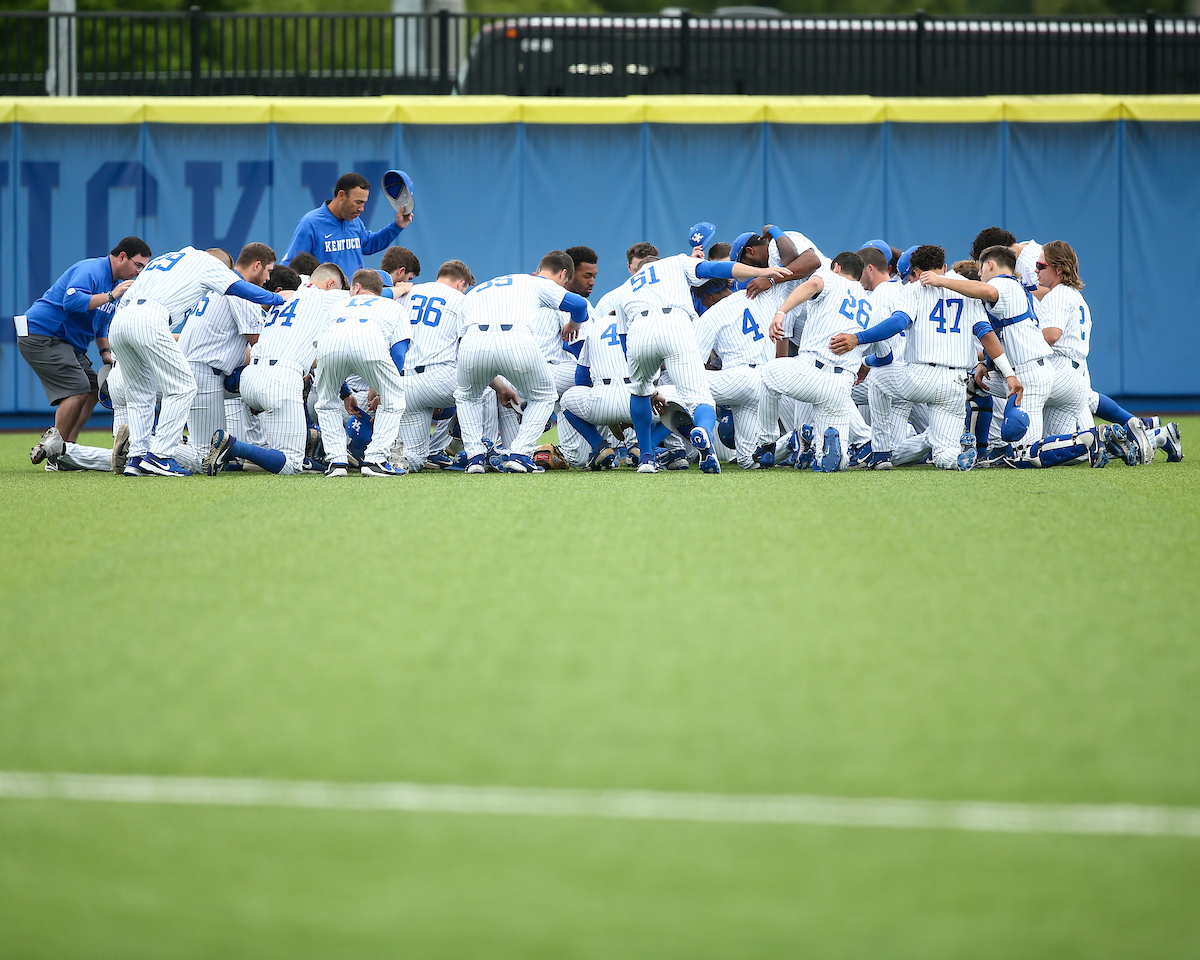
1058 253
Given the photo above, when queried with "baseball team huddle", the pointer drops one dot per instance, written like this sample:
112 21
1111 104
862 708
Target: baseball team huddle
762 352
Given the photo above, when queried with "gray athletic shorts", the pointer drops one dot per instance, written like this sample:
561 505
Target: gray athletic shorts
63 370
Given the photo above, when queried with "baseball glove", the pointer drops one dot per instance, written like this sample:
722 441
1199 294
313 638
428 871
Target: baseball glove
549 457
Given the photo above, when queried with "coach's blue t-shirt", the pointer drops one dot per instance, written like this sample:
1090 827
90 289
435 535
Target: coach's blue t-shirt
343 242
62 311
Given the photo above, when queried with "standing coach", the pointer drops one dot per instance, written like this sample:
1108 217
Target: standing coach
54 334
333 233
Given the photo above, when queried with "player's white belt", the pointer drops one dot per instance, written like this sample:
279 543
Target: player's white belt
944 366
1062 356
489 326
646 313
1039 361
286 364
423 367
608 381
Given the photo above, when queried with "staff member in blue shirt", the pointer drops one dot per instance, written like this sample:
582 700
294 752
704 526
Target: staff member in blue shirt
333 233
54 334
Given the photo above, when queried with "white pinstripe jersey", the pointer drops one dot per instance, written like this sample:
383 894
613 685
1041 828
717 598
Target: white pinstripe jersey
291 330
664 283
178 281
883 303
609 302
215 332
1027 261
841 305
941 325
736 328
1065 308
547 331
434 310
1022 340
602 352
367 308
511 299
802 243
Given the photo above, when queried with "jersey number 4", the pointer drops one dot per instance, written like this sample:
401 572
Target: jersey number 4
750 326
284 314
610 334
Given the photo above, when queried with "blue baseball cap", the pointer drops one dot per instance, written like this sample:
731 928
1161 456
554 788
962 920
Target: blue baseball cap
1016 421
735 252
881 245
398 188
903 265
701 234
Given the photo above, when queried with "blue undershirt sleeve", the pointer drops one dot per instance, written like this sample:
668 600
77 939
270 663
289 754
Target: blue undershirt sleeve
624 347
583 376
874 361
255 294
715 268
576 306
399 351
885 329
981 329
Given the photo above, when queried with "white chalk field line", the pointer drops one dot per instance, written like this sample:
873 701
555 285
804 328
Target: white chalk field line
911 814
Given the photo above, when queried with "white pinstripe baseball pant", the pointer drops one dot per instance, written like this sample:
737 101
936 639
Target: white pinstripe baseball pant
347 347
1037 377
737 388
826 387
570 441
944 391
666 337
278 391
424 392
151 361
513 354
1067 407
207 414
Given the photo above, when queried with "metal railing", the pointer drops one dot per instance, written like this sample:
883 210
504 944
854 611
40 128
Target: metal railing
323 54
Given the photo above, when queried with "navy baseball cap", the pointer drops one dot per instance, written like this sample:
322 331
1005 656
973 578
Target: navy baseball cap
701 234
1016 421
882 246
903 265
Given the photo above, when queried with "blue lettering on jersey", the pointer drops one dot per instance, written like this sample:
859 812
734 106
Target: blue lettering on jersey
639 279
1082 325
498 282
750 326
938 314
201 306
165 262
611 336
429 313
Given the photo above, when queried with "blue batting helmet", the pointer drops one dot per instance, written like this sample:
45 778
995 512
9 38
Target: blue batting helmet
1016 421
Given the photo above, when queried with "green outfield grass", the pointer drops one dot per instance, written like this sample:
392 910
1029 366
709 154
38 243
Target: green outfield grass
1023 636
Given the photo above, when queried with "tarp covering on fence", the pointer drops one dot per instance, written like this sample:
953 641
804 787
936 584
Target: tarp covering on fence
499 182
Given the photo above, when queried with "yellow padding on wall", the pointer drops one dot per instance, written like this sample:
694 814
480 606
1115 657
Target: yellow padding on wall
589 110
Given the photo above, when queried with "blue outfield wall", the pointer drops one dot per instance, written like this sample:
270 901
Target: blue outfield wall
1123 192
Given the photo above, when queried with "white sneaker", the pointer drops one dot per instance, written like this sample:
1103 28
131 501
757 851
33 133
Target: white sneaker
51 445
